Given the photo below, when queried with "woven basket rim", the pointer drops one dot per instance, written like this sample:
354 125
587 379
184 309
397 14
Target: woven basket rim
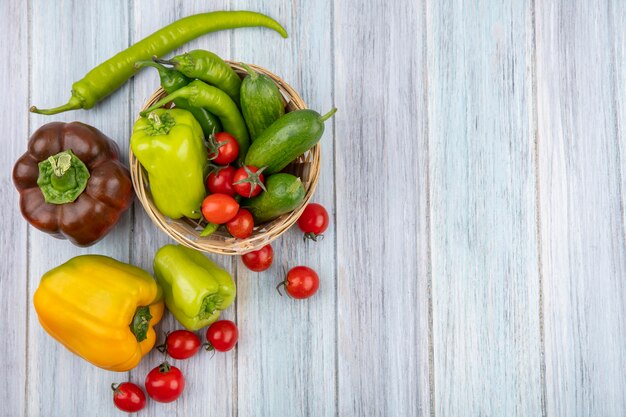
182 231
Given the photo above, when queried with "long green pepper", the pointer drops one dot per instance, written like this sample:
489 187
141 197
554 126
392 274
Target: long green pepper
207 67
112 73
172 80
217 102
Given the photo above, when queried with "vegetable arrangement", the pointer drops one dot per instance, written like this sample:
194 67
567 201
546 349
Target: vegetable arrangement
217 157
252 109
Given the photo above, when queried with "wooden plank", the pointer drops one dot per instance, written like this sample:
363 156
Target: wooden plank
485 282
286 356
66 42
13 244
381 163
210 389
580 94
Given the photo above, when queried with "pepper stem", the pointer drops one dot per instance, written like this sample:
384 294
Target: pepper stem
62 177
60 163
163 61
249 70
328 115
74 103
148 63
141 323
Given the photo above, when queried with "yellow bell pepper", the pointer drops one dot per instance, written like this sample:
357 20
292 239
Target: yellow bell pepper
101 309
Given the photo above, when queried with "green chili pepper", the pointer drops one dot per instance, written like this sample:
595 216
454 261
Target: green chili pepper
217 102
169 145
209 229
196 289
208 67
111 74
172 80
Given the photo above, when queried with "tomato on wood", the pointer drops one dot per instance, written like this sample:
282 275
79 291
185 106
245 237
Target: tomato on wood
128 397
259 260
222 336
313 221
301 282
181 344
165 383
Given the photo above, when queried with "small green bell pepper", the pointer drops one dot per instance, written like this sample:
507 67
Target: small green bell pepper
169 144
196 289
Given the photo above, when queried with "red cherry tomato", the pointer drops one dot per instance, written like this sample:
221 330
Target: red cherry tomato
128 397
219 208
165 383
241 225
222 182
181 344
248 181
313 221
222 335
259 260
223 148
301 282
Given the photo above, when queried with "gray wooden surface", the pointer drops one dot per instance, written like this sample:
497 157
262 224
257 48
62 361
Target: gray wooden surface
475 174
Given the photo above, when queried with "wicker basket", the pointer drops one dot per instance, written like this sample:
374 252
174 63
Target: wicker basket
187 231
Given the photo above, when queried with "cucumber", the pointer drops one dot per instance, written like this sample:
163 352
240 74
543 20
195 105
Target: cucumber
284 193
286 139
261 102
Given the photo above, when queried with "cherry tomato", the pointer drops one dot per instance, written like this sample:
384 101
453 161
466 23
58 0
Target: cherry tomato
181 344
241 225
222 182
219 208
222 335
128 397
223 148
165 383
259 260
301 282
248 181
313 221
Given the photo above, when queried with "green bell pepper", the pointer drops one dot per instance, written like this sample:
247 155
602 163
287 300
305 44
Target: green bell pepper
169 144
196 289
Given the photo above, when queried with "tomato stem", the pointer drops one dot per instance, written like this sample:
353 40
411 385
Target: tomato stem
164 367
253 178
312 236
115 387
283 283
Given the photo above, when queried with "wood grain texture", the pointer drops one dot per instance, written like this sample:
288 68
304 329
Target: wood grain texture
211 382
13 241
485 282
475 176
286 357
580 94
382 209
66 42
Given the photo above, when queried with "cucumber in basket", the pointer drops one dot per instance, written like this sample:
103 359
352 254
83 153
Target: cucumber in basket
284 193
286 139
261 102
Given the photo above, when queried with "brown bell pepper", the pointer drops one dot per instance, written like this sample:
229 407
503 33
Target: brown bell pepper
71 182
